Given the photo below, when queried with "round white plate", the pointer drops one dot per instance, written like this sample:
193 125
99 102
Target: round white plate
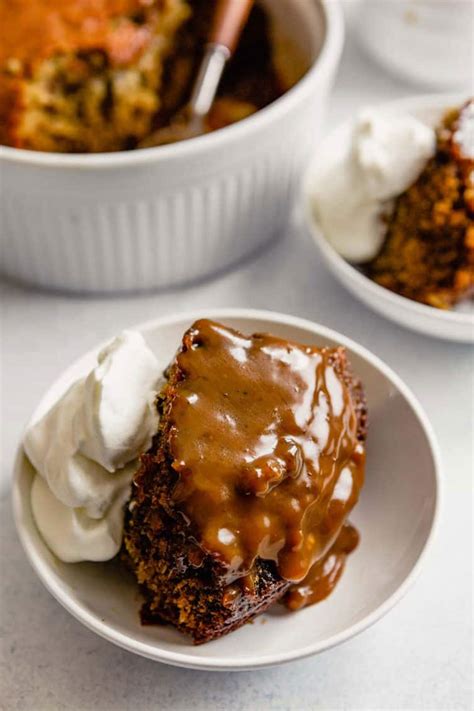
456 325
395 516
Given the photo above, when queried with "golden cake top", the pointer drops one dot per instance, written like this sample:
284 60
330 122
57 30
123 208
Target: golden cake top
33 30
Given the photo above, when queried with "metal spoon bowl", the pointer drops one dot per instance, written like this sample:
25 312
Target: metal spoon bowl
229 20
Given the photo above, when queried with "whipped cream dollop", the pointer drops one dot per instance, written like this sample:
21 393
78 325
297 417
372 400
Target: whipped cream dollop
383 157
85 451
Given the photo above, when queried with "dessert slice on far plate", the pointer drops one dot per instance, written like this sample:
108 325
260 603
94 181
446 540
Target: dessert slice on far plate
389 202
428 250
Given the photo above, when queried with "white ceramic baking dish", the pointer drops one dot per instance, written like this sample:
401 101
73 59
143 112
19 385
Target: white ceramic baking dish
152 218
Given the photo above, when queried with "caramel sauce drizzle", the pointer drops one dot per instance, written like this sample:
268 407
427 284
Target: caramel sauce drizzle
264 438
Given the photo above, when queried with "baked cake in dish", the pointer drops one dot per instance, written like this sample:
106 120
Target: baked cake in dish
83 76
86 76
243 497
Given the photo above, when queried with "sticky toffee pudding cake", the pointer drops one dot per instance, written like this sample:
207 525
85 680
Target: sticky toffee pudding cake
243 497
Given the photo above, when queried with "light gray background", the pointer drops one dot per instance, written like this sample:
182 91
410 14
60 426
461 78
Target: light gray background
418 657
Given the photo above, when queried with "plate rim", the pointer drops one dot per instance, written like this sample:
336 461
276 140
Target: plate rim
345 272
185 659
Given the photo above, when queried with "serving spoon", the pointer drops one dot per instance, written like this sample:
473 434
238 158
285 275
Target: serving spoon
229 20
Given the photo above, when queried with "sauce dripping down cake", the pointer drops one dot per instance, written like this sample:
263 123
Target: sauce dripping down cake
244 495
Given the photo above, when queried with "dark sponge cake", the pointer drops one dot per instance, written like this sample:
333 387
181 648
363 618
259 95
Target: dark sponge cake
191 534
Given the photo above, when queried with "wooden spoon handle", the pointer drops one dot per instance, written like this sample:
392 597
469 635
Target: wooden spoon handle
229 19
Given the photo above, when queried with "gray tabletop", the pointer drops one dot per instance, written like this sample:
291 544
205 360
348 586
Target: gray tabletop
418 657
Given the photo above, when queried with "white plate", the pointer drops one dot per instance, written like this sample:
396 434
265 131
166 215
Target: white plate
395 516
456 325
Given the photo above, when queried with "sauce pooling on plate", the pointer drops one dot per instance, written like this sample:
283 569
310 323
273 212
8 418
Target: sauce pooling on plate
264 437
322 578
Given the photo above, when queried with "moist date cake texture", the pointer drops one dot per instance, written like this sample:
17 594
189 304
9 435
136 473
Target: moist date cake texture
244 495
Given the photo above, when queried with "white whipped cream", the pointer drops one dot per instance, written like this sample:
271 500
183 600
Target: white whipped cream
85 449
384 156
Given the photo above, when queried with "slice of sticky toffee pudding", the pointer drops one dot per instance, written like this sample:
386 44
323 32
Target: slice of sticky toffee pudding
243 497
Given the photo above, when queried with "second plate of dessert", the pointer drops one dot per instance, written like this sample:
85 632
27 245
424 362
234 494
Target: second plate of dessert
389 202
240 468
